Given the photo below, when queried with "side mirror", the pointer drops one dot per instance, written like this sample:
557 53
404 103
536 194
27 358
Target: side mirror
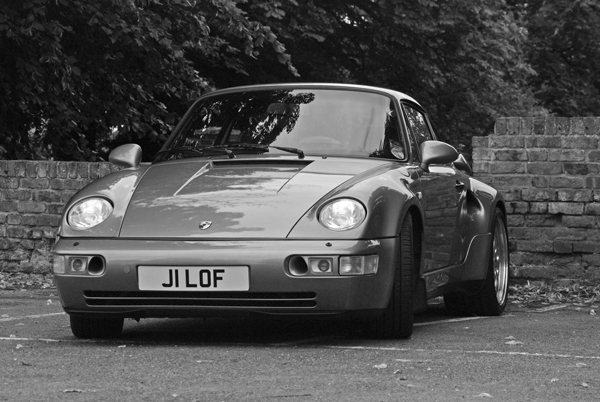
462 165
437 153
128 155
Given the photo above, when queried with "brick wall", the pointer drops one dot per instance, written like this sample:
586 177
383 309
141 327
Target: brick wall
548 170
32 196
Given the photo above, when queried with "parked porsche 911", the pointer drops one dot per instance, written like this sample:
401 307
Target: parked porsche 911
312 200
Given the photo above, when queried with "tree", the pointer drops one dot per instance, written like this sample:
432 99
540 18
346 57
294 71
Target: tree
564 50
77 77
81 77
462 59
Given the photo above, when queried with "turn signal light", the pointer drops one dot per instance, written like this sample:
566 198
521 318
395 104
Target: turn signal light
58 264
359 265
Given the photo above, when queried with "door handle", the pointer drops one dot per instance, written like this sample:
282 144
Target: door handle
460 186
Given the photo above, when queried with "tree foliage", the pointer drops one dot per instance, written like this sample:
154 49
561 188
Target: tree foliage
564 50
463 59
78 76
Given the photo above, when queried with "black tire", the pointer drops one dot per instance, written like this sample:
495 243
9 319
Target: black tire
491 300
86 328
397 320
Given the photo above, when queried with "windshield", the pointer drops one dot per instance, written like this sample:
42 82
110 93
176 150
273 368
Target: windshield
311 121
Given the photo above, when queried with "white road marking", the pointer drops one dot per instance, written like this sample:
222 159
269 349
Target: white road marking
549 308
481 352
14 338
4 319
10 338
420 324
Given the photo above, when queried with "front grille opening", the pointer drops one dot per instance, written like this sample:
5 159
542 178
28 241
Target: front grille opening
96 265
201 299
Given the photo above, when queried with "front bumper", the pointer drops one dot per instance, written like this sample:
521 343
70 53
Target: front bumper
272 289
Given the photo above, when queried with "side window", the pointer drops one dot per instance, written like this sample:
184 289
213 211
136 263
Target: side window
393 137
384 135
417 125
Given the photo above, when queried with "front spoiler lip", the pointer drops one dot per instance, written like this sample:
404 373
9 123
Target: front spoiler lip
166 313
335 295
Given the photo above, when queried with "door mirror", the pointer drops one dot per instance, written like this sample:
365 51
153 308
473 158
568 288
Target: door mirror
128 155
437 153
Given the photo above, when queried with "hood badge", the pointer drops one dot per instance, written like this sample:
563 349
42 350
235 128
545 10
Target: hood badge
205 225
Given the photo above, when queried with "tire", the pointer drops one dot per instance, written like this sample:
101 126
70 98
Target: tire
86 328
491 300
397 320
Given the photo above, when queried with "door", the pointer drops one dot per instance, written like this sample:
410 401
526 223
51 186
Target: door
441 188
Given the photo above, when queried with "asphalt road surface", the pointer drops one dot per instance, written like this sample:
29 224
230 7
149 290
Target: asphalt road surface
537 353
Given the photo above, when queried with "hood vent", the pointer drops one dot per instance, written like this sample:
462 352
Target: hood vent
260 162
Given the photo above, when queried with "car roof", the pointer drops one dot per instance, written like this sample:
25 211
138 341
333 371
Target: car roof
315 85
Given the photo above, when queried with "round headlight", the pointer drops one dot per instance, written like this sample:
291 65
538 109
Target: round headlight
89 213
342 214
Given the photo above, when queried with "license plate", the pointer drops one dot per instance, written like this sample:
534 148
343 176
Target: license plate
193 278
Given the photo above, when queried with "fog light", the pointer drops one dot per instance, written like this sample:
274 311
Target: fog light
321 265
359 265
58 264
78 264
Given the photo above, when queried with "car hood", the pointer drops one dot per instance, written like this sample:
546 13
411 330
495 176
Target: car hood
241 198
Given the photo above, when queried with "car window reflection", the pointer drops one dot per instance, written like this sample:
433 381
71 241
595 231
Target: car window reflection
318 122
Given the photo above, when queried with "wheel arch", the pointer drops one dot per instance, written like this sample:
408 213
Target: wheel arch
484 199
501 205
419 286
418 229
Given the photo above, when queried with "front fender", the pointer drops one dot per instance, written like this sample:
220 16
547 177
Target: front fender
118 187
386 196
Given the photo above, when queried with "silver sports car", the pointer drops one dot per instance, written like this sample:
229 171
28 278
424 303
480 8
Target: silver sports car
314 200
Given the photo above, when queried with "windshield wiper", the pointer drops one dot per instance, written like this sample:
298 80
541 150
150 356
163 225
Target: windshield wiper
296 151
221 149
196 151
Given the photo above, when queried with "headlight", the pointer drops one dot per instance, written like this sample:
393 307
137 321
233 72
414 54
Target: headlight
89 213
342 214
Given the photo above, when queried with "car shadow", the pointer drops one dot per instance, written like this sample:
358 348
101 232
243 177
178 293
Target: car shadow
254 331
261 331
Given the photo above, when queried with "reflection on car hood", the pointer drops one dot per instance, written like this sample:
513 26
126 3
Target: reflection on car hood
241 198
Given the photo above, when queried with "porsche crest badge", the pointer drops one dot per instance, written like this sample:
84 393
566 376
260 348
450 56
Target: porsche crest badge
205 225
